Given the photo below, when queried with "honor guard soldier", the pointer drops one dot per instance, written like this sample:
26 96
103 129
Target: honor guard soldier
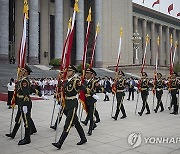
71 87
91 98
120 86
23 90
159 92
144 88
58 97
174 90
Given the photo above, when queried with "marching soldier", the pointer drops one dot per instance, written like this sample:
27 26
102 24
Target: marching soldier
91 98
144 88
71 87
120 86
24 102
174 90
159 92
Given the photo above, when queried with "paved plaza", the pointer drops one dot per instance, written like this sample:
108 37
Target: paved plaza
109 137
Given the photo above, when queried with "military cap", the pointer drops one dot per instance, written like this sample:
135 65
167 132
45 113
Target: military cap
28 69
159 74
91 70
72 68
121 72
144 74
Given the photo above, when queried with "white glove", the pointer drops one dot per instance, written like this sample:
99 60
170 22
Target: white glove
135 88
95 97
25 109
59 107
44 97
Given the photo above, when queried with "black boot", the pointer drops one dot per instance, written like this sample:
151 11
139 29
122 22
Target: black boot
24 141
91 126
80 132
124 116
155 110
84 122
162 107
61 140
32 127
15 129
115 118
140 113
116 114
53 127
10 135
82 142
94 126
97 116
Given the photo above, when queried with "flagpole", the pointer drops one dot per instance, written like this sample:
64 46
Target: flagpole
86 42
119 49
175 48
94 46
171 54
145 50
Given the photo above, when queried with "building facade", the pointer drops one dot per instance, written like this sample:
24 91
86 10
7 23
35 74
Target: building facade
47 28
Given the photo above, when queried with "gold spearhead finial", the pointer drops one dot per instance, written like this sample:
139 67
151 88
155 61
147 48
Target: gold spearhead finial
171 39
97 28
69 24
26 9
176 44
121 32
147 38
89 15
76 7
158 40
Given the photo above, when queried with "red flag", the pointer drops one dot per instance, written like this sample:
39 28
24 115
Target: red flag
156 2
170 8
22 48
178 14
82 96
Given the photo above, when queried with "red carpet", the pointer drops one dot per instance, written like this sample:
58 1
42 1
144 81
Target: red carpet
4 97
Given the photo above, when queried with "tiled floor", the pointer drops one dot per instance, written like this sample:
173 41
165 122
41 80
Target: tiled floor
109 137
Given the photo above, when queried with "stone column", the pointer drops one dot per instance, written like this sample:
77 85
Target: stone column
58 28
80 33
33 31
167 47
135 24
4 31
98 19
144 33
153 44
161 62
178 46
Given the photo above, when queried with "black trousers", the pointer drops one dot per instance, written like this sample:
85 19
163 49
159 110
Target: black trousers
144 96
90 116
120 105
71 118
131 91
174 101
10 96
159 101
28 122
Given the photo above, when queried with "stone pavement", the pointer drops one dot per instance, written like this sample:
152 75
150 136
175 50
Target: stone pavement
109 137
